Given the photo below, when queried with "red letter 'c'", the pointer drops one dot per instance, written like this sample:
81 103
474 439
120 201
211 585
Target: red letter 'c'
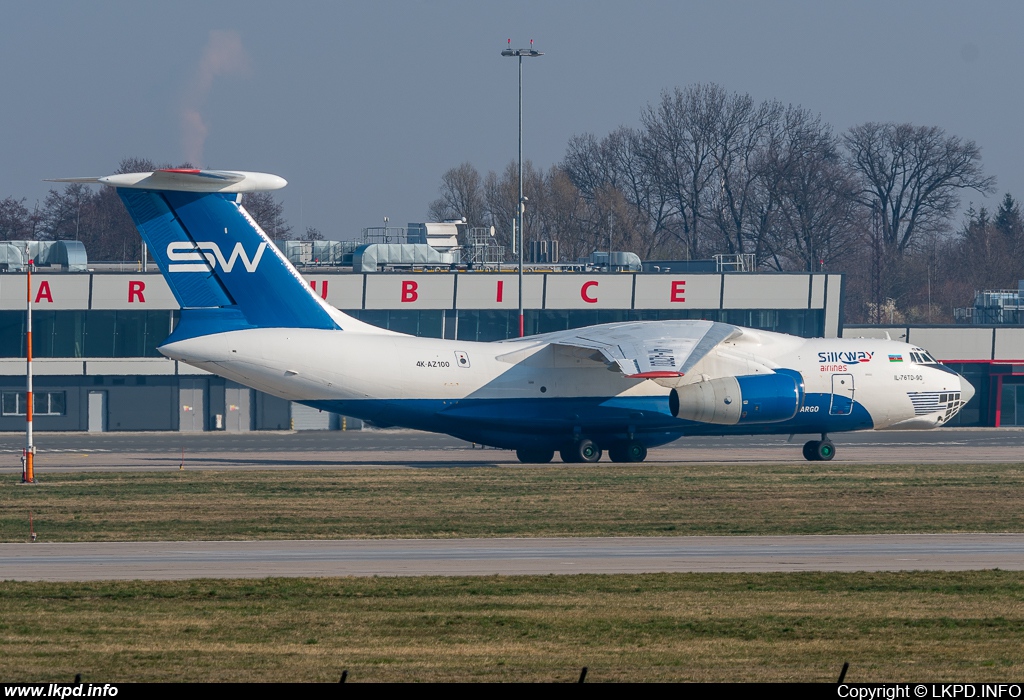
583 292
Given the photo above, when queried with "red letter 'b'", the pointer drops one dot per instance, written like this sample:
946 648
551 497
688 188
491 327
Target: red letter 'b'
409 292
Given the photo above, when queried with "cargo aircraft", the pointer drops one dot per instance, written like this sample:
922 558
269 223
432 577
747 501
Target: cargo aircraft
247 315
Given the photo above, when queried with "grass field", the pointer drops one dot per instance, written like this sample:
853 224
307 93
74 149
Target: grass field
964 626
665 627
805 498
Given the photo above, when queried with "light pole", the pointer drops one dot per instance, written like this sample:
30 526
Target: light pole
520 54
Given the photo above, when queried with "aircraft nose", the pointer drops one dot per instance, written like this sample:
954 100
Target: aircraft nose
966 390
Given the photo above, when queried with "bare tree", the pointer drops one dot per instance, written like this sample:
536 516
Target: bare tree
817 218
615 170
678 146
912 176
501 194
268 213
16 221
462 196
741 204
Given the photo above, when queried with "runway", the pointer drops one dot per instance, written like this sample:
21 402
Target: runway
476 557
410 449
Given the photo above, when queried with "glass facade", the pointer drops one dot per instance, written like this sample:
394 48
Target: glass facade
1011 407
98 333
131 333
485 325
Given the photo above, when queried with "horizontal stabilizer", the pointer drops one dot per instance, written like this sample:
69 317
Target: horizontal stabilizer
187 180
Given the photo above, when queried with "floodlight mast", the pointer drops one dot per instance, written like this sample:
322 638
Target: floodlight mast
520 54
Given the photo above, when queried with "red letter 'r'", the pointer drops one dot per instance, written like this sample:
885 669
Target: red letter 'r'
135 289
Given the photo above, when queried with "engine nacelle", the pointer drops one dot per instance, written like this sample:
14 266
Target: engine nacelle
757 398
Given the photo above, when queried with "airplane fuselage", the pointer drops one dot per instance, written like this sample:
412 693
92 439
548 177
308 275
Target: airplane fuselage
528 392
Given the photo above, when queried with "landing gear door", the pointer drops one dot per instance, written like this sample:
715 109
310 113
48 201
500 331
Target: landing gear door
842 395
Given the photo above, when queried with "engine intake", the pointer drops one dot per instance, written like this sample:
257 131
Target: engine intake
757 398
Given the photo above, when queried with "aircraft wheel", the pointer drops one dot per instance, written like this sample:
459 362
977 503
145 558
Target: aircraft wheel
630 452
535 455
587 451
811 450
825 450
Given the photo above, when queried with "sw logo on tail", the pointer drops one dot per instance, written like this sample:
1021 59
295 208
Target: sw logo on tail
188 257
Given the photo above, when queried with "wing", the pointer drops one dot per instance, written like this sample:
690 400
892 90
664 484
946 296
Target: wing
645 349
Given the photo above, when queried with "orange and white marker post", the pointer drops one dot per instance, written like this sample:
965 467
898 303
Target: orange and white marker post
28 474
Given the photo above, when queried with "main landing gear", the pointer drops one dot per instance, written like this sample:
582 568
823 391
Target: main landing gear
819 450
585 450
629 452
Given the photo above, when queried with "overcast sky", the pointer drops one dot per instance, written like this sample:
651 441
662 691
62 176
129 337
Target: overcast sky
362 106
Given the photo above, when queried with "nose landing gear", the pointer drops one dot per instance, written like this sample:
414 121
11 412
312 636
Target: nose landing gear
819 450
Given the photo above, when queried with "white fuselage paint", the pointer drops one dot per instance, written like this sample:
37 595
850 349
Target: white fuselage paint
311 365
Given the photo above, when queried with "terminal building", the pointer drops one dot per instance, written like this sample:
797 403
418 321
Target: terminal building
95 334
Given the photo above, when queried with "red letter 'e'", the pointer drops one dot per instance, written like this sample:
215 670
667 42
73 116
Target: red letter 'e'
135 289
409 292
678 290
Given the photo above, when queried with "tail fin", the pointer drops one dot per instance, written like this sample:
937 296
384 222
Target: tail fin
222 268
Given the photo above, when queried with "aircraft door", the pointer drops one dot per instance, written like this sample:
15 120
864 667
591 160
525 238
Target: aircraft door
842 395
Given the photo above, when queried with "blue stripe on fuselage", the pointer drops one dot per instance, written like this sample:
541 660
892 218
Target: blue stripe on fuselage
553 421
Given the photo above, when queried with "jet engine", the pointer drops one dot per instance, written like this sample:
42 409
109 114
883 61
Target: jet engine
756 398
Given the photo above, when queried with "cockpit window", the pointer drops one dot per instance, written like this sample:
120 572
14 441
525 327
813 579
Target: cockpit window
920 357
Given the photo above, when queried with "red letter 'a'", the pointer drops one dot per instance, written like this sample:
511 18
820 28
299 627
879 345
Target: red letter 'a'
44 292
135 289
409 292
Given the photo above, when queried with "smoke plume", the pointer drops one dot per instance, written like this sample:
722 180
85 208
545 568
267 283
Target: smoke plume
223 56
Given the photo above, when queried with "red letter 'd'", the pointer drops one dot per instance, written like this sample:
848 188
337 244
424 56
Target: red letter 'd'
678 290
135 289
44 292
409 292
586 288
501 288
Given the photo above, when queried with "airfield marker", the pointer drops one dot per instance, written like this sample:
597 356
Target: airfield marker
28 474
